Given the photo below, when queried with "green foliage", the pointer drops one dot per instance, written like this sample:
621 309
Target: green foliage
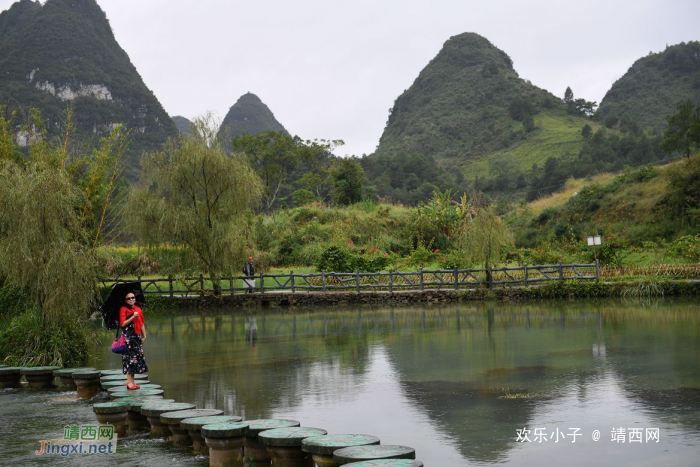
275 157
198 197
683 190
348 181
28 341
688 247
12 303
683 131
336 259
653 87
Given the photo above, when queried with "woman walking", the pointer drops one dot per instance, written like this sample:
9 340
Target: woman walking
133 327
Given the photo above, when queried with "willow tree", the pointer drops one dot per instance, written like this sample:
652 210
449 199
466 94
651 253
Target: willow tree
482 237
199 198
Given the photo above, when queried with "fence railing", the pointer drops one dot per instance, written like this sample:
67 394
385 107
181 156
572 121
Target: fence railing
391 281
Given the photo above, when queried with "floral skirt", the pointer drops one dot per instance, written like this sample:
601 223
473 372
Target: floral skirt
133 361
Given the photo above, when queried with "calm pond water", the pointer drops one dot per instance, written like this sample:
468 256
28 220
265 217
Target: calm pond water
445 380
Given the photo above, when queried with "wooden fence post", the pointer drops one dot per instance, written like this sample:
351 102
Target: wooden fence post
525 266
420 271
391 281
230 285
291 278
357 278
597 268
262 284
323 279
561 272
456 279
201 284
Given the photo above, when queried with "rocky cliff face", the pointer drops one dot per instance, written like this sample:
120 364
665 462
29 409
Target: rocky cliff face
63 54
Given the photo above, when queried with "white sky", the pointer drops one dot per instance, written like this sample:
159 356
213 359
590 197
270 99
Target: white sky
332 68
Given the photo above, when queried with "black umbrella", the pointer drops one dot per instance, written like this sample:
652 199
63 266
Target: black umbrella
115 300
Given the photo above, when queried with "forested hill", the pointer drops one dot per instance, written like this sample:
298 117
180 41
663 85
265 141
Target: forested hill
458 107
248 115
63 54
654 86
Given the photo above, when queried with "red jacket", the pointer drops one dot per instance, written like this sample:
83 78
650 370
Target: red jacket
125 313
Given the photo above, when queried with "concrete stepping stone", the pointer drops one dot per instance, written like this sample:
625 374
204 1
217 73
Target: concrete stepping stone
111 372
39 377
194 428
112 413
123 388
122 384
284 445
366 453
322 448
180 435
9 377
121 377
252 448
387 463
87 382
136 393
225 441
152 411
65 375
134 419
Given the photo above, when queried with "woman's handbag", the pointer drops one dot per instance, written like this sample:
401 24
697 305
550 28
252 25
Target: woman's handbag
119 344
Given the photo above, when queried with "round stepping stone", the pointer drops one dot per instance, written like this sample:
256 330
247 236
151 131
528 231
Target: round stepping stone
194 428
123 388
284 444
225 441
366 453
9 377
387 463
136 392
322 448
121 377
134 419
117 384
152 411
111 372
66 376
87 382
252 447
180 435
112 413
39 376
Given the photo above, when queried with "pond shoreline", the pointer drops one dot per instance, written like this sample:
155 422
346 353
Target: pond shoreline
556 290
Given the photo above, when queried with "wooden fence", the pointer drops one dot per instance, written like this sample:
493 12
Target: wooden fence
422 279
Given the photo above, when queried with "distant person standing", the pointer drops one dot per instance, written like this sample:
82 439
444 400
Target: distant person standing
249 272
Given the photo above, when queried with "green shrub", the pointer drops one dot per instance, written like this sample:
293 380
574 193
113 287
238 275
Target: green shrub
335 259
27 342
12 303
687 247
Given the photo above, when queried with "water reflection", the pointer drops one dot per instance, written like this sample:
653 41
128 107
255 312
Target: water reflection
452 381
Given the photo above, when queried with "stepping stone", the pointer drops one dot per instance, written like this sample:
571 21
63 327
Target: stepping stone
117 384
87 382
123 388
9 377
322 448
112 413
66 376
253 449
152 411
225 441
173 419
387 463
134 419
39 377
367 453
194 428
136 393
284 444
111 372
121 377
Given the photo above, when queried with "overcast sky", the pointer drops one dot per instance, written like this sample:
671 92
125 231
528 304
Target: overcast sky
333 68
